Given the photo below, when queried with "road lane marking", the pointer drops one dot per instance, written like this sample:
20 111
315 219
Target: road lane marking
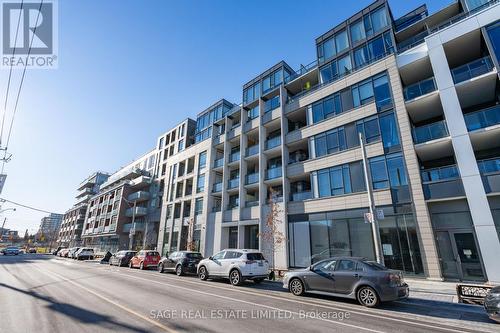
226 298
376 313
382 315
156 323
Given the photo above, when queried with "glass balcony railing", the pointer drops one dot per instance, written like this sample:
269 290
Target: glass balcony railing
274 173
252 178
273 142
430 132
442 182
252 203
217 187
419 89
234 157
219 162
472 69
490 174
253 150
301 196
301 71
483 118
488 166
440 174
233 183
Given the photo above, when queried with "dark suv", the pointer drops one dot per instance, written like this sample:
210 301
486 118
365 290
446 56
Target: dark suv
180 262
121 258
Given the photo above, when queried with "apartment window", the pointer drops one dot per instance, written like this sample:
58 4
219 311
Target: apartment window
251 93
379 19
202 161
382 91
389 130
253 112
396 168
344 65
494 36
357 31
337 180
160 144
234 201
326 50
272 80
380 178
198 206
341 41
361 56
181 145
473 4
376 48
200 185
362 93
370 129
272 104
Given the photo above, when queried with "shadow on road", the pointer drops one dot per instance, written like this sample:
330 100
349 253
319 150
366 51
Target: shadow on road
77 313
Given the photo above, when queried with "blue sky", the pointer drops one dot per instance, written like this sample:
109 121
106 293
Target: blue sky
130 70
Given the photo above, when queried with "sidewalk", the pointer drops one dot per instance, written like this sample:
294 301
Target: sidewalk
432 290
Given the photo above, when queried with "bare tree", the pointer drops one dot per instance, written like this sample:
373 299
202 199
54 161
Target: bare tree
272 236
191 243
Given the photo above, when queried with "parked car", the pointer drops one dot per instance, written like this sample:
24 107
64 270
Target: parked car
237 265
180 262
84 253
63 253
145 259
11 250
492 304
72 252
357 278
56 251
121 258
32 250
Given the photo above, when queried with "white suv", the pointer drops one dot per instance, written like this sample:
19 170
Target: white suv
237 265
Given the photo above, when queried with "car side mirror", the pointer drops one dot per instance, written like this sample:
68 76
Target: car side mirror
210 258
311 268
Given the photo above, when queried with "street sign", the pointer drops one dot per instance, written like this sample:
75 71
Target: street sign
368 218
380 214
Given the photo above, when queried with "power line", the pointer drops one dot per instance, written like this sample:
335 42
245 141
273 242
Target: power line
21 85
10 73
26 206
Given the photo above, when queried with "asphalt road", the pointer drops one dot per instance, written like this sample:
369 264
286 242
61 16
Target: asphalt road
42 293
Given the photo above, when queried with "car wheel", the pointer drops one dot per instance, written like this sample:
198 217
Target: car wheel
178 270
259 280
235 277
130 265
202 273
160 268
296 287
141 265
367 296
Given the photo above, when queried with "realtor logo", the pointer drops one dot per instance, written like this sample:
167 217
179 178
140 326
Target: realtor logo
29 34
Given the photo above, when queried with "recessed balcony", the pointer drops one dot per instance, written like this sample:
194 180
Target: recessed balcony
442 183
138 196
490 174
273 143
234 157
301 196
273 175
136 211
219 163
432 141
233 184
252 151
252 179
217 187
484 128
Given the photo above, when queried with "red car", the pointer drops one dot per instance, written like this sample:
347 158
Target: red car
145 259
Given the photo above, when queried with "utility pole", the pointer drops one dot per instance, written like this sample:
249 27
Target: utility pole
373 216
3 225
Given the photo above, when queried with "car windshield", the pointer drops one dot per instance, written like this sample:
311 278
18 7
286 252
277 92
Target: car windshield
375 265
194 255
255 256
152 254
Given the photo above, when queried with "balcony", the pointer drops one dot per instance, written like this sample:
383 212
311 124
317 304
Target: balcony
218 163
274 173
234 157
217 187
85 191
139 211
273 142
136 227
301 196
233 183
139 196
430 132
419 89
472 69
252 178
482 119
490 174
253 150
443 182
253 203
141 181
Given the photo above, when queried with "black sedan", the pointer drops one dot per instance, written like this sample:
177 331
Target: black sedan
180 262
492 304
121 258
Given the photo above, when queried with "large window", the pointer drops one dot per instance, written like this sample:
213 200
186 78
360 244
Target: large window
272 80
198 206
251 93
389 130
379 19
253 112
272 104
378 170
362 93
357 31
382 91
494 37
341 41
337 180
200 185
344 65
202 162
388 171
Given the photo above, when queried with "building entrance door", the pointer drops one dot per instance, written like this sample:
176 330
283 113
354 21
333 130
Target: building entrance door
459 255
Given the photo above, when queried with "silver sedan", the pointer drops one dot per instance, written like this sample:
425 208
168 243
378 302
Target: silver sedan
357 278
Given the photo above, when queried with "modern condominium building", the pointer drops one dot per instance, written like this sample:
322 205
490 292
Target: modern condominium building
422 89
49 226
72 222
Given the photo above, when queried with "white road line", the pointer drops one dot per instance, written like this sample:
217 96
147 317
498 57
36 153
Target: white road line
238 300
312 303
156 323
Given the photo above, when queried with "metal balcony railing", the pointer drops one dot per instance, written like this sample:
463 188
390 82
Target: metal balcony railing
217 187
483 118
472 69
233 183
419 89
219 162
273 142
252 178
430 132
301 196
274 173
253 150
234 157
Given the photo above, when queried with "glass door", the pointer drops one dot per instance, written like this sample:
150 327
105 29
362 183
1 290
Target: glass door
468 256
447 256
